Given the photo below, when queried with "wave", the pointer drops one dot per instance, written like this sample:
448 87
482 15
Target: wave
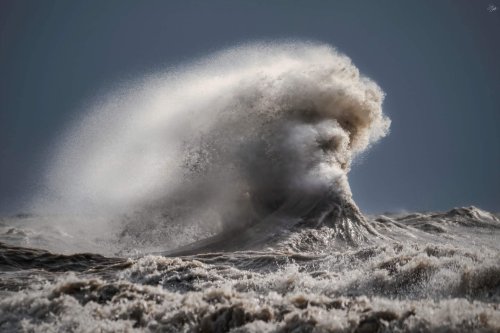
420 280
245 141
402 287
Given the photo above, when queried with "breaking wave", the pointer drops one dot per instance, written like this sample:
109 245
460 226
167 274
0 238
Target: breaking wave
261 134
234 169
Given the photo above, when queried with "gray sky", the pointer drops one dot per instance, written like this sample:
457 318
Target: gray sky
438 62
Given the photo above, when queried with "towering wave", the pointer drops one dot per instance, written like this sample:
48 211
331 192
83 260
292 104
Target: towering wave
256 137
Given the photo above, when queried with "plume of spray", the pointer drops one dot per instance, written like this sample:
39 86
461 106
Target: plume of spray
253 132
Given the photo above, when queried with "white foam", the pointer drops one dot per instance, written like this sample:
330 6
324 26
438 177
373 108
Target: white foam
225 137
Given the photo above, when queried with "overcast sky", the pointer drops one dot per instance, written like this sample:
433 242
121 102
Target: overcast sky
438 62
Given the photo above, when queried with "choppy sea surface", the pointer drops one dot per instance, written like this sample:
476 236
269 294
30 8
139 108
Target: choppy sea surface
214 197
420 272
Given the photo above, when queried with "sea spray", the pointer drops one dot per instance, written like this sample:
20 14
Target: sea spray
250 135
244 157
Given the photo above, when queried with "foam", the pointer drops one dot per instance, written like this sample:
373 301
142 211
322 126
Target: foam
224 141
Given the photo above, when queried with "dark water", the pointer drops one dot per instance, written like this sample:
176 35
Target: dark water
422 272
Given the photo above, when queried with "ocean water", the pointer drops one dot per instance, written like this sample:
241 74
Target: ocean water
214 197
423 272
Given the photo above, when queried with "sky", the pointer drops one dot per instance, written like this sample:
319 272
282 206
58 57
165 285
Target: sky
437 61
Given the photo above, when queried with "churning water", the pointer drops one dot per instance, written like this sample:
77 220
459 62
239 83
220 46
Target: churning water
215 198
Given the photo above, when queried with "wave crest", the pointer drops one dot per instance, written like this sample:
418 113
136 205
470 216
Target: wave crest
255 133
